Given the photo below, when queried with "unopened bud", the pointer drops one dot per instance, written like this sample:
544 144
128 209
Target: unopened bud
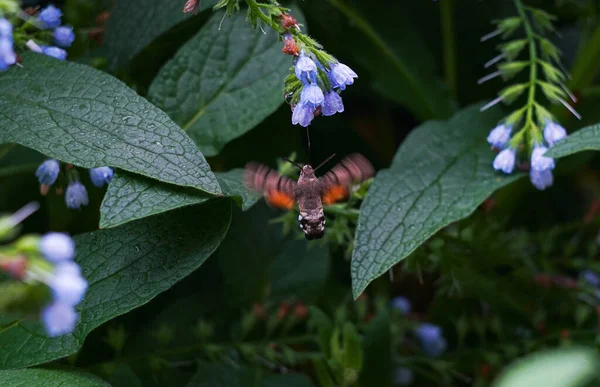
300 311
15 267
288 21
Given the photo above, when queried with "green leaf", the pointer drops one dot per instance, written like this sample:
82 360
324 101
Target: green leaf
377 348
83 116
132 26
324 328
557 368
222 375
584 139
126 267
289 380
441 174
223 81
124 376
35 377
130 197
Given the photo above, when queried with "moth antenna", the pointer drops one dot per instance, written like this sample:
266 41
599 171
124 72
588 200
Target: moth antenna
293 163
324 162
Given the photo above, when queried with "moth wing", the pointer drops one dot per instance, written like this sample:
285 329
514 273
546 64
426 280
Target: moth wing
277 189
335 184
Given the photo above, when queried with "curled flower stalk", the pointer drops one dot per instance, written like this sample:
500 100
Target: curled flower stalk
525 134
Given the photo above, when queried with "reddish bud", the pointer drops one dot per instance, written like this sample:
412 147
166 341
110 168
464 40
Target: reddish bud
317 111
485 370
102 18
259 311
290 47
283 310
288 21
97 34
489 204
592 212
565 334
273 346
31 10
15 267
44 188
363 297
543 279
369 317
541 327
300 311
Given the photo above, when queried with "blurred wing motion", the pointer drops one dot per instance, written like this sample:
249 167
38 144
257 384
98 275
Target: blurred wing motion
277 189
191 6
335 184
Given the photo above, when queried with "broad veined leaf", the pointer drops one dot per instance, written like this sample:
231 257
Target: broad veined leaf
440 174
134 25
34 377
584 139
223 81
574 367
83 116
125 267
130 197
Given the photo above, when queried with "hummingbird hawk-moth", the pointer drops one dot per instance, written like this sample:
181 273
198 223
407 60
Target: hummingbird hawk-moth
309 192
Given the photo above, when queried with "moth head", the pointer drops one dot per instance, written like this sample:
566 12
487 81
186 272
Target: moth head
307 170
312 225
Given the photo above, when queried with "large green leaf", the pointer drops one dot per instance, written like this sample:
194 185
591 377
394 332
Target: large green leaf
441 174
125 267
49 378
584 139
83 116
133 25
130 197
573 367
223 81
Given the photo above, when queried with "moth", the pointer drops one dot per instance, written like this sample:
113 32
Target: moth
309 192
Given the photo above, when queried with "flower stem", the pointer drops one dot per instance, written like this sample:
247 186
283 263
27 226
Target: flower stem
449 45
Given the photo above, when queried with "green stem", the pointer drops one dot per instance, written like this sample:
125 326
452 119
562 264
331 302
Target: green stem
449 46
6 327
586 66
255 8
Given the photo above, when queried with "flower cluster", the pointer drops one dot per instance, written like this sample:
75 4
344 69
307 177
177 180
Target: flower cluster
75 193
526 134
46 260
63 36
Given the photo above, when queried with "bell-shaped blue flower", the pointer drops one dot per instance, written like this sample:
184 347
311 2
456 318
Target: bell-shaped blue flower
76 195
49 17
59 319
499 136
305 69
431 338
7 53
303 114
47 173
312 95
553 133
591 277
55 52
505 161
101 176
541 179
402 304
67 285
341 75
6 29
57 247
64 36
539 162
332 104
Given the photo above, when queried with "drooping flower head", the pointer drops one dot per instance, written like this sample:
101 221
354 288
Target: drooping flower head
505 161
431 338
7 53
541 179
312 95
57 247
305 69
302 114
591 277
332 104
47 172
539 162
67 285
402 304
6 29
55 52
59 319
553 133
499 136
49 17
101 176
341 75
76 195
64 36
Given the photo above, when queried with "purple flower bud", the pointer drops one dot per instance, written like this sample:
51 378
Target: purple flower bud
553 133
305 68
101 176
47 173
332 104
5 29
303 115
341 75
402 304
312 95
57 247
7 53
432 341
539 162
541 179
505 161
49 17
59 319
435 348
55 52
67 284
64 36
403 376
76 195
499 136
591 277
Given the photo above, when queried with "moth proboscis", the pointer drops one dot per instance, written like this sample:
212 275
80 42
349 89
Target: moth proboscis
309 192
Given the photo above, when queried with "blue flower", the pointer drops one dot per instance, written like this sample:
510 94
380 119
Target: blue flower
341 75
7 53
505 161
67 285
64 36
305 69
59 319
402 304
76 195
553 133
539 162
50 17
541 179
303 115
432 341
403 376
332 104
101 176
57 247
591 277
499 136
5 29
48 172
312 95
55 52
